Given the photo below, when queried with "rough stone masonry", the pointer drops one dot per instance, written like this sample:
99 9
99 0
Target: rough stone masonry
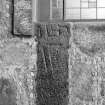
17 61
61 64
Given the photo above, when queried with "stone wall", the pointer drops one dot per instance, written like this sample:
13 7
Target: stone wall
83 44
86 63
61 64
17 58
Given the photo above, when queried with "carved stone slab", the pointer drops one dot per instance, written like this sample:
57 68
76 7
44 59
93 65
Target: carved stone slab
23 17
52 64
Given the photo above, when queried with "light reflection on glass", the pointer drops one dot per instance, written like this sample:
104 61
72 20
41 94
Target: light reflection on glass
73 13
85 9
101 13
72 3
92 4
84 4
101 3
88 13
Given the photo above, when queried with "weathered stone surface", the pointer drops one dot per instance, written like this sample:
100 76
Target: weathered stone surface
14 52
52 63
82 82
7 93
89 42
53 33
23 17
52 75
5 19
102 91
89 38
83 78
17 63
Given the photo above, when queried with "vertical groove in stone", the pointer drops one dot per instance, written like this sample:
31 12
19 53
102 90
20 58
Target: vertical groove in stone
52 65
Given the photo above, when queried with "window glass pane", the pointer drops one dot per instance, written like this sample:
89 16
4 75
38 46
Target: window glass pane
92 0
84 0
84 4
54 3
72 14
56 11
85 9
92 4
60 3
72 3
100 3
88 14
101 13
56 14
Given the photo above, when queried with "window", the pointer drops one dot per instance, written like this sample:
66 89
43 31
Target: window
56 10
77 9
84 9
